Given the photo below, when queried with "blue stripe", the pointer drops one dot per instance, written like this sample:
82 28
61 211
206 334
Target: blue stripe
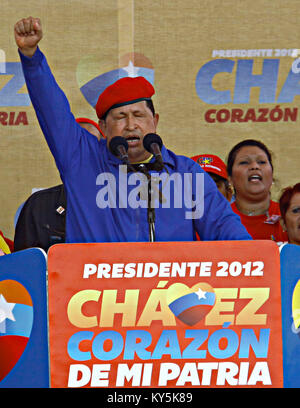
185 302
22 325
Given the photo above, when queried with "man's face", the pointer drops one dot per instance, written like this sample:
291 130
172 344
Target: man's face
292 220
132 122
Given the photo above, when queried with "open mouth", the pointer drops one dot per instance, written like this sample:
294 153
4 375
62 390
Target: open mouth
132 140
255 178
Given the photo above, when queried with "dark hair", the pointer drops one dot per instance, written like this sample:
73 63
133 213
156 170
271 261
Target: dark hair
248 142
285 199
149 104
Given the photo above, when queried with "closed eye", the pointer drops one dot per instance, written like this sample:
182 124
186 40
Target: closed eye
139 114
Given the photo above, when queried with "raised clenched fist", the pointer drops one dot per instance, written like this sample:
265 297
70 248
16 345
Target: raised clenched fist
28 33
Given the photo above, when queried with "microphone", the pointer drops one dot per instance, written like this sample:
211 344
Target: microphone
118 147
153 144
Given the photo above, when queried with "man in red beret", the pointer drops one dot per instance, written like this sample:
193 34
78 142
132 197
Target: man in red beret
105 201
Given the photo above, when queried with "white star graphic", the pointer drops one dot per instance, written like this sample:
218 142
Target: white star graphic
5 313
131 70
200 293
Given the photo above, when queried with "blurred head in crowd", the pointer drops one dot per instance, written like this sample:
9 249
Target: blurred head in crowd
289 203
250 170
216 168
90 126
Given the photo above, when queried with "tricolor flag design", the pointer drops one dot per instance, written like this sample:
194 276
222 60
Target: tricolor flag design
16 319
191 305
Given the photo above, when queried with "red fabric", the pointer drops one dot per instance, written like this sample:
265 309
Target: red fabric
87 120
257 227
123 91
11 349
92 122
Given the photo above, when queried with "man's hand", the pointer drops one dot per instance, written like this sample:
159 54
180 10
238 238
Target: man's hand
28 33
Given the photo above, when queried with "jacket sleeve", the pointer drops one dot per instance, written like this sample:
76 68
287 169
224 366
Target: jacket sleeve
62 132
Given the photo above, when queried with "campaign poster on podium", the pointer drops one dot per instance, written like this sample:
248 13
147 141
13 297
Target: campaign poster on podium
23 320
169 314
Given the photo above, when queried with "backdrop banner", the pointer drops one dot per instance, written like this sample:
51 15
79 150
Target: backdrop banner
195 314
23 320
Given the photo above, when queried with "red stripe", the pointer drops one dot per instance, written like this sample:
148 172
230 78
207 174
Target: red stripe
194 314
11 349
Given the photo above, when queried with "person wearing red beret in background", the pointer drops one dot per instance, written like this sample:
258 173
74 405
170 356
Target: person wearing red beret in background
217 170
91 126
104 204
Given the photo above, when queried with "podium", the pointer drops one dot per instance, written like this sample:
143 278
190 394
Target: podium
154 315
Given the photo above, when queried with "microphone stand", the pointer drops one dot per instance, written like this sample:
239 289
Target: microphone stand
150 210
150 214
119 147
158 165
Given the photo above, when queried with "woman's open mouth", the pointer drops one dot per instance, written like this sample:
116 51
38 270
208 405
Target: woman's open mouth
255 178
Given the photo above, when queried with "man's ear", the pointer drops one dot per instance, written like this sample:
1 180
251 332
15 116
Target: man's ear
156 119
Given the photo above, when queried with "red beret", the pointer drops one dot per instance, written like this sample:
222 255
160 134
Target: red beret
212 164
123 92
87 120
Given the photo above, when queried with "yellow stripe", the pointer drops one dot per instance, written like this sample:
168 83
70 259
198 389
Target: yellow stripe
4 246
296 305
144 161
